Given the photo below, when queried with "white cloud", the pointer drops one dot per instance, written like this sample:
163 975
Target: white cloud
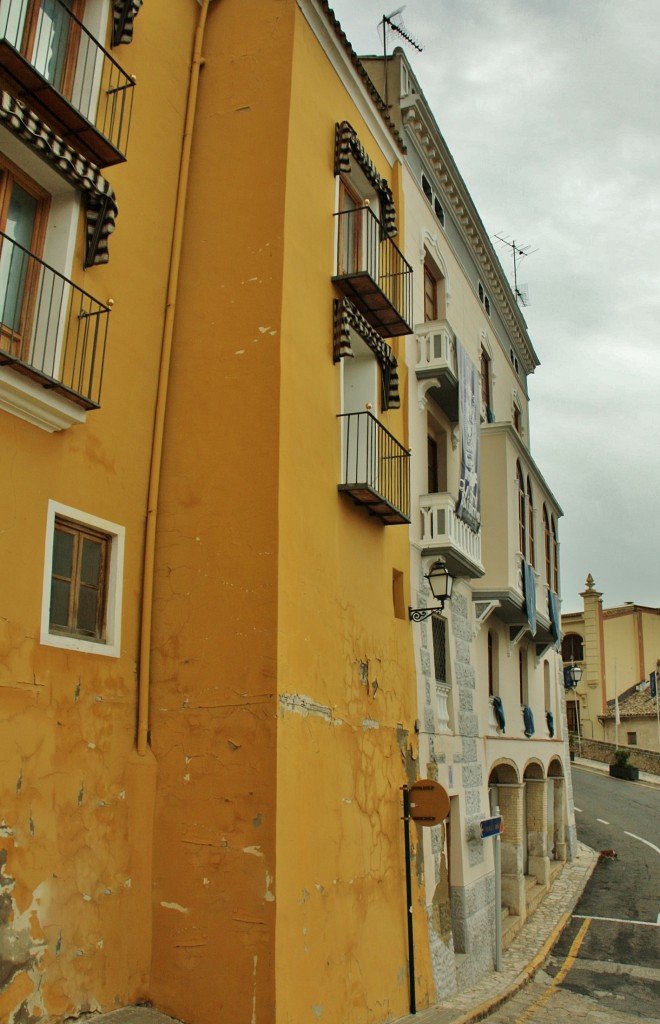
551 112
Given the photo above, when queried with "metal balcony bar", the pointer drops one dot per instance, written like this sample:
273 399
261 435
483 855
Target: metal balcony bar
50 330
376 468
373 272
67 74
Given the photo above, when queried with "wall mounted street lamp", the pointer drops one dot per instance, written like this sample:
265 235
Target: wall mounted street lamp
574 675
440 583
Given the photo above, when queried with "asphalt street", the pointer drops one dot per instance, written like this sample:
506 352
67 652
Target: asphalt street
605 968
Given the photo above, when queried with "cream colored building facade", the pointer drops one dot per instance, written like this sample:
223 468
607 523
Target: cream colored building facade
490 695
617 648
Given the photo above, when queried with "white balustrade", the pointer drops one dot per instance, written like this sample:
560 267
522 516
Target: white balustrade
436 346
441 526
443 690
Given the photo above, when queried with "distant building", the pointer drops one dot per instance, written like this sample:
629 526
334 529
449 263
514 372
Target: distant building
638 719
617 648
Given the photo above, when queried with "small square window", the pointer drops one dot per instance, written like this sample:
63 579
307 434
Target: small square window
632 739
81 603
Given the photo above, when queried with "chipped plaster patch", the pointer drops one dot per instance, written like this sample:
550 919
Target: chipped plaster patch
174 906
317 1010
269 896
370 723
305 706
254 850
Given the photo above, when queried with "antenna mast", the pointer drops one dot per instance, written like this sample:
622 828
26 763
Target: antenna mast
518 253
400 29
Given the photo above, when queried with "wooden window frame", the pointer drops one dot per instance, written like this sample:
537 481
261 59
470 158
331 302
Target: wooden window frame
111 645
80 532
430 295
531 539
555 555
65 86
522 519
16 342
355 229
547 547
485 381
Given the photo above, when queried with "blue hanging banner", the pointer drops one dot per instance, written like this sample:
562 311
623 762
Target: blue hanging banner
654 685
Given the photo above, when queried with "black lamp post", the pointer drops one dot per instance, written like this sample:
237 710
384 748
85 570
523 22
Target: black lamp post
440 583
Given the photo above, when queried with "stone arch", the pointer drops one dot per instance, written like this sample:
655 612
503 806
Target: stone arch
506 793
557 823
535 816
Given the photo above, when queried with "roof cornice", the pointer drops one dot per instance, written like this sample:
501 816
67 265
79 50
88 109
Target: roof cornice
420 124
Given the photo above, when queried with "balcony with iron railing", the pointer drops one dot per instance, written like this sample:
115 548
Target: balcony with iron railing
50 61
436 363
446 534
375 468
373 273
51 331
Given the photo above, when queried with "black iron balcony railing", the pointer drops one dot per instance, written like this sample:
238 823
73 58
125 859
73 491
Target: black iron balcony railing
53 63
375 468
373 273
50 330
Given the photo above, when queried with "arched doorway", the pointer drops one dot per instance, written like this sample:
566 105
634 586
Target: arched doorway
535 837
506 792
557 841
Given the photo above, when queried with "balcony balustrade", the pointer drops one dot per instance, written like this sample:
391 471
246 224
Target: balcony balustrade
50 330
50 61
443 691
375 468
437 363
373 273
444 533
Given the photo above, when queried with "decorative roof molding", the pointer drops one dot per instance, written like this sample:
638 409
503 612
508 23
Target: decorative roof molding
416 117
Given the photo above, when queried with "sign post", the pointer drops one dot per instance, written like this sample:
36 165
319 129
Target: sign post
493 828
427 803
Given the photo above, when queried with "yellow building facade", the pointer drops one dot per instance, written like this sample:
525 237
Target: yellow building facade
213 528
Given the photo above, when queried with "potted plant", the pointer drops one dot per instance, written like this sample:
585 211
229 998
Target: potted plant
621 768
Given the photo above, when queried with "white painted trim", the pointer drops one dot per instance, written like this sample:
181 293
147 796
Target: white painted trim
112 646
350 79
33 403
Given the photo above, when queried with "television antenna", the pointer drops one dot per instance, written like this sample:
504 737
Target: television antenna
518 253
399 29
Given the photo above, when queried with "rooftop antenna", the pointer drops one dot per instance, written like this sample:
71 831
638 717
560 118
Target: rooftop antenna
400 30
518 252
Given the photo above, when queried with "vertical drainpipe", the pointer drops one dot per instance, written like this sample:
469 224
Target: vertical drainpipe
144 665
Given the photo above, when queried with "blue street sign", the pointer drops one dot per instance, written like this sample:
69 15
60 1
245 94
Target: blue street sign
491 827
654 689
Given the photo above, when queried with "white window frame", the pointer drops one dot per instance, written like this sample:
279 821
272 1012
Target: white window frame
19 395
111 646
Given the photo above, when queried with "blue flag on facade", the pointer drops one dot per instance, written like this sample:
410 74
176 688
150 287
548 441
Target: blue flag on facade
654 685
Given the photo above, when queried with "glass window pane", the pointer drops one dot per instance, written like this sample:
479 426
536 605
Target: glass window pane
87 611
90 566
60 592
62 553
19 227
52 40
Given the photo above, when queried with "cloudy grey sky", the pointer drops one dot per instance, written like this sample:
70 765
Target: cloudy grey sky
551 109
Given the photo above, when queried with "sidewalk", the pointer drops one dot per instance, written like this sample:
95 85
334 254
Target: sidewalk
525 955
522 959
584 762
